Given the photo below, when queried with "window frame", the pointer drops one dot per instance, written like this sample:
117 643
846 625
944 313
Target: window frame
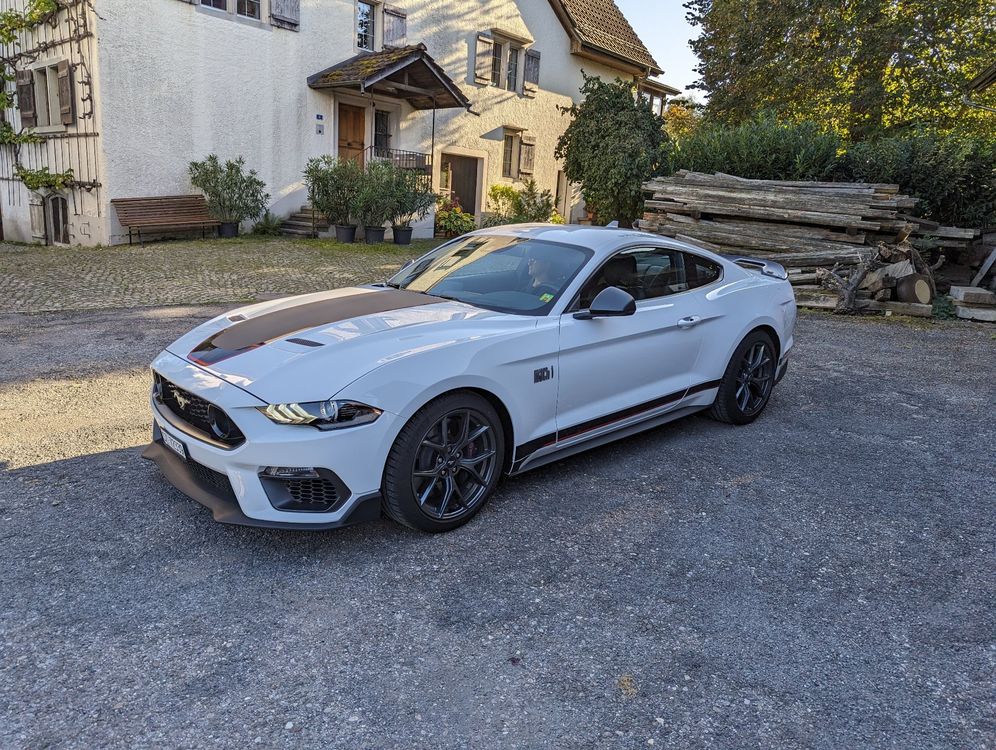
259 9
372 33
497 62
575 303
511 78
50 103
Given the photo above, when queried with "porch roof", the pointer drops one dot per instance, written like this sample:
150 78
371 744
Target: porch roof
407 73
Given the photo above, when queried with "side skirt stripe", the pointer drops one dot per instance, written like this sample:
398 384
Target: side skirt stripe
523 451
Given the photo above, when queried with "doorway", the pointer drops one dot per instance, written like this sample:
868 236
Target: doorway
458 179
352 132
57 220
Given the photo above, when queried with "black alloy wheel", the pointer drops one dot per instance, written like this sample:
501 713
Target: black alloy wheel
454 464
746 387
445 463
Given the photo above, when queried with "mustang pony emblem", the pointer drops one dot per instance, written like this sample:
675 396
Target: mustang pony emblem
181 400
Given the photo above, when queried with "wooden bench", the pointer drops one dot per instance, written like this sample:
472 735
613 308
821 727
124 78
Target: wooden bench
164 212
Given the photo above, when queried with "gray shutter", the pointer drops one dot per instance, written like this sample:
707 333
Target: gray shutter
285 13
395 27
26 98
482 64
67 100
527 154
532 73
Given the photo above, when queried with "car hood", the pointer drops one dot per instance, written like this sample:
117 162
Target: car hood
309 348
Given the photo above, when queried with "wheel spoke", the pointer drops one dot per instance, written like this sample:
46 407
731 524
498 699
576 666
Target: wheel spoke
475 460
428 474
743 395
435 447
423 498
464 430
475 475
474 436
447 494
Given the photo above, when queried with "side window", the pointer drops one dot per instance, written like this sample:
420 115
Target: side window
700 271
649 273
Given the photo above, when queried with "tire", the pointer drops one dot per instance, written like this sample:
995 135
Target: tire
438 474
746 370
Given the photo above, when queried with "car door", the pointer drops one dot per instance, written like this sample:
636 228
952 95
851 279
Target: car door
614 368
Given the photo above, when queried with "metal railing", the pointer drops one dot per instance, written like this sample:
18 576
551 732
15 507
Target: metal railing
413 160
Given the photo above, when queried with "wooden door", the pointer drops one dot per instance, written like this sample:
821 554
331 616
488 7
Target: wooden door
462 180
352 132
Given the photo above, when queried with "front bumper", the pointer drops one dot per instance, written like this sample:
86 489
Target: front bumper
227 479
223 505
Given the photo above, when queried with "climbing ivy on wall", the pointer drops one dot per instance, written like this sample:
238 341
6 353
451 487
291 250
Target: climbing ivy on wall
12 23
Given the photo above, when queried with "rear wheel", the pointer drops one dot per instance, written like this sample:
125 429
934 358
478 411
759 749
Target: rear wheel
445 464
747 383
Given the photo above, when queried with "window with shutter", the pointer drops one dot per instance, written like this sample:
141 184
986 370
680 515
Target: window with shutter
483 61
395 27
508 155
67 100
26 98
527 154
532 72
285 13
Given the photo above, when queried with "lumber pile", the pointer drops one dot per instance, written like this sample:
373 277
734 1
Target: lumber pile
811 228
974 303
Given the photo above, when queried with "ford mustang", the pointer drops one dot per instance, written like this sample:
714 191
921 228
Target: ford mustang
496 353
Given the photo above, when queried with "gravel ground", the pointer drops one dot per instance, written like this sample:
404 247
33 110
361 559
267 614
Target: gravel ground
823 578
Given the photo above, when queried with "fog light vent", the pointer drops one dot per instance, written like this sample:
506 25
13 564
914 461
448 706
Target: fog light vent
290 472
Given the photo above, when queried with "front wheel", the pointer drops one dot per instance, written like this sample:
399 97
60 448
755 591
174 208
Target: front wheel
445 464
747 383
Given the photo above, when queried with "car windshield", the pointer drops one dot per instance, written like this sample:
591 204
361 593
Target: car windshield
509 274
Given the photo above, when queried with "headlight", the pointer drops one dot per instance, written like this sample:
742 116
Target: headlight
325 415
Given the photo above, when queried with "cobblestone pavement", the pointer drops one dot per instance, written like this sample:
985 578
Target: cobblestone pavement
41 279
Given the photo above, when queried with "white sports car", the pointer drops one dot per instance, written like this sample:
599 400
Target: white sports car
496 353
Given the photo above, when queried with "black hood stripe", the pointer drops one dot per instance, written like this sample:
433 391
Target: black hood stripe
258 331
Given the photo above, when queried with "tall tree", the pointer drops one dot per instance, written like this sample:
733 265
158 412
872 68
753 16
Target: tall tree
612 145
859 66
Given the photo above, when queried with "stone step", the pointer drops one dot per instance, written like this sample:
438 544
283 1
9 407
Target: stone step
304 221
296 231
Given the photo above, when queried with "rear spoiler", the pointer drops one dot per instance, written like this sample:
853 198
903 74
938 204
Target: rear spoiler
766 267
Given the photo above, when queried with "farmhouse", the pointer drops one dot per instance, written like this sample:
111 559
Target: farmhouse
126 95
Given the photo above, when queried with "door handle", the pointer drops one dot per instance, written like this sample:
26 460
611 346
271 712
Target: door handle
689 322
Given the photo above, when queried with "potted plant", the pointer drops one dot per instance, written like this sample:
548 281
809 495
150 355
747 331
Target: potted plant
375 202
413 199
233 195
333 186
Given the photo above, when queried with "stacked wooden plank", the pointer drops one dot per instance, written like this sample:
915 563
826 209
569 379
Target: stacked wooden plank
974 303
805 226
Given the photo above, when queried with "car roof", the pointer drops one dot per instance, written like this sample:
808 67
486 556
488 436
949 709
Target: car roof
600 239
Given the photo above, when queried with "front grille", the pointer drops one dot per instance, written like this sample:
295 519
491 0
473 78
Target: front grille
198 413
212 480
312 491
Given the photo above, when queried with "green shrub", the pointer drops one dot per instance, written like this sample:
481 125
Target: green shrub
451 220
268 226
761 149
232 194
375 201
412 197
333 185
953 177
510 206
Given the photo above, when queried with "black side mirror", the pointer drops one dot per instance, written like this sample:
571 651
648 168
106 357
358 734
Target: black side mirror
611 302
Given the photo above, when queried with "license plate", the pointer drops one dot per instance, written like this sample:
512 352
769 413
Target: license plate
174 445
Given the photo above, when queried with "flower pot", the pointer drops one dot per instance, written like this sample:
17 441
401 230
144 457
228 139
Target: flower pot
374 235
228 229
345 233
402 235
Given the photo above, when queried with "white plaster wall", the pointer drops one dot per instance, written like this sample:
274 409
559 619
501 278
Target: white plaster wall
178 82
450 31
